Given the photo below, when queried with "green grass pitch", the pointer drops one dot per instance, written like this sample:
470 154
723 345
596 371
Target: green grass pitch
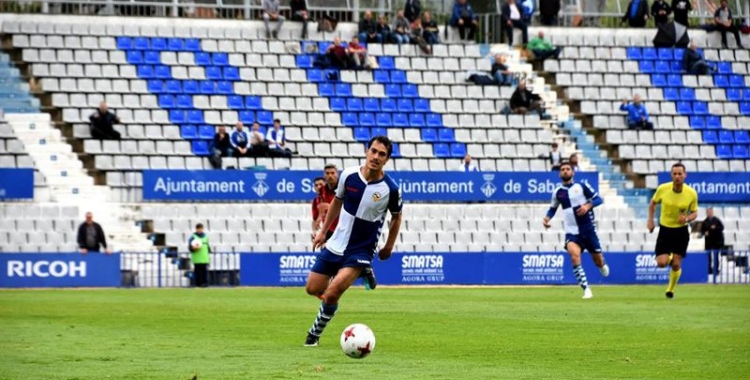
625 332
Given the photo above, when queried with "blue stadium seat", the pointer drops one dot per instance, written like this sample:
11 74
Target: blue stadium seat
400 120
177 117
746 94
724 67
166 101
231 73
162 72
134 57
647 67
671 94
409 91
151 57
371 105
441 150
159 44
326 89
674 80
338 104
745 108
429 135
398 76
679 53
405 105
145 72
421 105
349 119
634 53
202 59
192 44
736 81
378 131
649 53
383 119
381 76
684 108
458 150
172 86
367 119
195 117
724 151
713 122
323 46
386 63
446 135
675 66
235 102
253 102
354 104
396 153
247 117
225 87
304 61
200 148
665 54
220 59
742 137
362 134
141 43
207 87
687 93
190 87
393 91
213 73
697 122
189 132
659 80
710 137
663 67
700 108
124 43
155 86
739 151
314 75
721 81
734 94
726 137
175 44
206 132
388 105
416 120
434 120
265 117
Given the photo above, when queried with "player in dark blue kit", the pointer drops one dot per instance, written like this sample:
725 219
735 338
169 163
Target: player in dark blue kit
577 201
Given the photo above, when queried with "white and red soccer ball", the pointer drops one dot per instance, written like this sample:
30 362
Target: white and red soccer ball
357 341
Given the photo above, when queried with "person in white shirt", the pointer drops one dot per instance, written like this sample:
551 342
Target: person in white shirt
258 144
513 17
467 166
277 141
271 12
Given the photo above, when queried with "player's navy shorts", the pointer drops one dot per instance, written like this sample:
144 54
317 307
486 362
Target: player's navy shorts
672 240
587 241
328 263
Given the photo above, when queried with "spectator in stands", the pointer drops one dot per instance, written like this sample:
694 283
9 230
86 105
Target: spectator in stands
358 54
528 7
500 71
548 11
693 61
271 12
660 10
401 29
573 160
102 122
412 10
463 17
200 256
637 113
239 140
91 236
467 166
636 14
258 143
724 23
300 13
431 32
384 29
222 144
337 55
713 233
277 141
417 37
368 29
512 17
681 8
524 101
554 156
542 48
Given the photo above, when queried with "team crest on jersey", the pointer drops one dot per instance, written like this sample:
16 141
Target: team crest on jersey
376 197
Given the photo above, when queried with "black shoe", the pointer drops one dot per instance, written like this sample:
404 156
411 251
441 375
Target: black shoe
312 340
369 276
275 35
670 295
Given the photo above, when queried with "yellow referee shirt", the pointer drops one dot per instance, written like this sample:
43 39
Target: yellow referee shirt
675 204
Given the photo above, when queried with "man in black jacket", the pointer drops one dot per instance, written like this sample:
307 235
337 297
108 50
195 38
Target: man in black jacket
368 29
101 124
660 10
636 14
524 101
412 10
299 13
91 236
713 233
681 8
513 17
548 11
693 62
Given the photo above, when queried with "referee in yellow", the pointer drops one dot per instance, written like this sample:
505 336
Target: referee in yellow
679 207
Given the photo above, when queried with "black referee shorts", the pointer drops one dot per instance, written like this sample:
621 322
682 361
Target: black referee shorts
672 240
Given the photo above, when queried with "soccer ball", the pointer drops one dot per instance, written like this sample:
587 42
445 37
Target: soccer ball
357 341
196 244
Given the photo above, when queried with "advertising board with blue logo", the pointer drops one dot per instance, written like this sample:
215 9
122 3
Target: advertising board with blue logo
16 183
52 270
717 186
290 185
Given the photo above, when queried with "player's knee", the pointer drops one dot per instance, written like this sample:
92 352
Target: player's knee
676 266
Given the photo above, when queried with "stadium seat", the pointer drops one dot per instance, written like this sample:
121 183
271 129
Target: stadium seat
371 105
434 120
446 135
343 89
393 91
745 108
381 76
172 87
166 101
647 67
405 105
338 104
367 119
159 44
264 117
458 150
192 44
700 108
726 137
724 151
200 148
741 137
697 122
665 54
736 81
634 53
220 59
400 119
124 43
378 131
162 72
386 63
721 81
746 94
206 132
247 117
410 91
235 102
304 61
441 150
388 105
175 44
177 117
687 94
734 94
354 104
672 94
739 151
421 105
141 43
710 137
146 72
679 53
134 57
213 73
662 67
713 122
189 132
362 134
659 80
207 87
156 86
675 66
429 135
191 87
674 80
326 89
194 117
224 87
650 53
383 119
202 59
396 153
724 67
684 108
398 76
416 120
315 76
231 73
349 119
253 102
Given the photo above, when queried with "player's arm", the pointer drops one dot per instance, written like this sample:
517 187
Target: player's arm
593 198
554 204
393 229
693 215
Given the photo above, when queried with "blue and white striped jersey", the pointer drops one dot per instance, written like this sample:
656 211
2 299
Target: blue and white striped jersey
571 197
364 211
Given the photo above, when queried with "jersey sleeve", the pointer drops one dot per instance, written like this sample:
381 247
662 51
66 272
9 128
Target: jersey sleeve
553 205
658 195
589 191
315 208
693 207
341 188
395 202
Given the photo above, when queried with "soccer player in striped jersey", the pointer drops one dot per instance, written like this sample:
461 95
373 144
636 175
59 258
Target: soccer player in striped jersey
577 201
364 197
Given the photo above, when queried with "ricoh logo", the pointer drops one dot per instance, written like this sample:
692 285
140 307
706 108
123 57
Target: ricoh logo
44 268
296 261
260 187
422 261
543 261
645 261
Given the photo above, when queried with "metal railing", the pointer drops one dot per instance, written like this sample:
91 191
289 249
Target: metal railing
174 269
728 267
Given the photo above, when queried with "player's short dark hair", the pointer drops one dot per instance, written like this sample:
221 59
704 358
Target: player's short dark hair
329 166
277 121
679 165
566 163
199 226
383 140
318 179
573 155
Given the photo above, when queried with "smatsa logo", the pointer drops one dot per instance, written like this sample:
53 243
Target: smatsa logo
45 268
422 261
296 261
543 261
645 261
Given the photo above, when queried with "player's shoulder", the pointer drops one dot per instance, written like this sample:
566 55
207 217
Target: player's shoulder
690 190
348 172
392 184
664 186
